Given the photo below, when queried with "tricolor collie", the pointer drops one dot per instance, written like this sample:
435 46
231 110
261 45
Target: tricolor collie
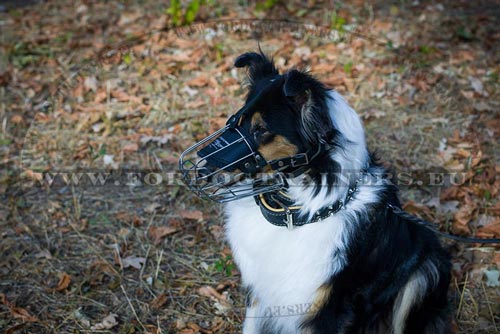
311 222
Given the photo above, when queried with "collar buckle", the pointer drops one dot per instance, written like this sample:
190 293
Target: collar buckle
289 219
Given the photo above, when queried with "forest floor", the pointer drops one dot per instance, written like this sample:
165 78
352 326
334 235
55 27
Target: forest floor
97 101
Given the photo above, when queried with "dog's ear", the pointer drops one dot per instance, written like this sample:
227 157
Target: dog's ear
259 66
297 83
308 95
298 86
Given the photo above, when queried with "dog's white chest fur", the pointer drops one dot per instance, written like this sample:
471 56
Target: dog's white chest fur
283 268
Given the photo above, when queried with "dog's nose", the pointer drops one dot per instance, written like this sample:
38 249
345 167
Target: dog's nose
204 172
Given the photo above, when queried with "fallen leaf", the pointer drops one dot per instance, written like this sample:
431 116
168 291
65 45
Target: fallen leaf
4 300
159 301
100 96
195 104
217 231
217 123
23 314
14 329
159 232
130 147
133 261
417 209
208 291
191 215
63 283
326 67
106 323
122 96
467 94
491 230
200 81
221 301
464 214
17 119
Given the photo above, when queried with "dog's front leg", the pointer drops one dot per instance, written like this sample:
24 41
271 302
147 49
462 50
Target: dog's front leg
251 324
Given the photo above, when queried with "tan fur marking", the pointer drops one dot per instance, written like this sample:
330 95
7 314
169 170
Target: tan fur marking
320 299
257 118
411 295
279 148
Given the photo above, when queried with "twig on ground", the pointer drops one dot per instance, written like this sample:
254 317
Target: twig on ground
133 309
462 295
489 307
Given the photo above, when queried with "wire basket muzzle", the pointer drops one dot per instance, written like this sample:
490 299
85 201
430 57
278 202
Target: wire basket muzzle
226 166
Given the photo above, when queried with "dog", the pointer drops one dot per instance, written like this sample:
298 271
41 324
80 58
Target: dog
310 222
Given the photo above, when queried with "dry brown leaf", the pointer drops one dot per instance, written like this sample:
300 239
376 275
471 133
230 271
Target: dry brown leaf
15 328
195 104
191 215
217 231
194 326
100 96
122 96
323 68
130 147
417 209
460 229
230 81
23 314
200 81
208 291
5 301
464 214
17 119
217 123
490 230
159 301
64 282
17 312
33 175
157 233
334 81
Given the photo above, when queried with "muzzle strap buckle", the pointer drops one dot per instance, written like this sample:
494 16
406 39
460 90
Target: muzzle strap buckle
299 160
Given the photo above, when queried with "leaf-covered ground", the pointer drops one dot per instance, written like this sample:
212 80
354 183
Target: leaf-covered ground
98 99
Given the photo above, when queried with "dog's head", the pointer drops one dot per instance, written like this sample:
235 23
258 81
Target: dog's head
284 129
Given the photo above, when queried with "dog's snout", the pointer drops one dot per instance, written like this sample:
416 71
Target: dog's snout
204 172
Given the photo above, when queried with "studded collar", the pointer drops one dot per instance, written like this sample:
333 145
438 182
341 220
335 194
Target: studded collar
280 209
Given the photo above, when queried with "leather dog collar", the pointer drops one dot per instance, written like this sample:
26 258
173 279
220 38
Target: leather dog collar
280 210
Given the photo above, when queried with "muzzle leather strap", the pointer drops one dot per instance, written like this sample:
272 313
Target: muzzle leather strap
280 210
297 164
